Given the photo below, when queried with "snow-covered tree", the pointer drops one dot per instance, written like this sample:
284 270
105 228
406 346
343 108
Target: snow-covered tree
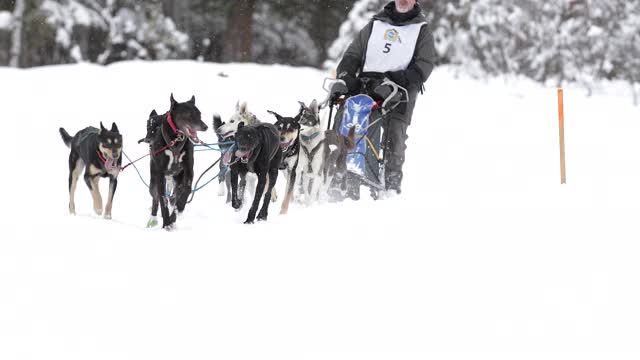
6 21
69 19
625 63
358 18
142 31
282 39
16 36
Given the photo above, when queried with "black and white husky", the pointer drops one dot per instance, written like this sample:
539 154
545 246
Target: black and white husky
313 151
226 132
171 164
322 154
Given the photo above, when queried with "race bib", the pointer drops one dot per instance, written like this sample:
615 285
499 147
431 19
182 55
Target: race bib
391 47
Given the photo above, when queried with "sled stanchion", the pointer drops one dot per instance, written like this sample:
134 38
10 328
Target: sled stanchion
563 170
330 116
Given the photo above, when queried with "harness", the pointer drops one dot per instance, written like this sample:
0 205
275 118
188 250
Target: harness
310 137
180 137
176 145
311 154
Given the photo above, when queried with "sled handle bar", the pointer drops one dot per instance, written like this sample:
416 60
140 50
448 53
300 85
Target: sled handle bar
395 89
326 88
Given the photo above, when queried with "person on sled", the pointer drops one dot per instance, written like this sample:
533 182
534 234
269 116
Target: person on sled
396 44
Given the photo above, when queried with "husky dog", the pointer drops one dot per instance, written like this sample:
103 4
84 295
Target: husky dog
323 154
336 160
171 164
98 152
257 150
313 150
226 132
289 128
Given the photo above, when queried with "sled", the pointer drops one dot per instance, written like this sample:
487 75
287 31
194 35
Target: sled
366 163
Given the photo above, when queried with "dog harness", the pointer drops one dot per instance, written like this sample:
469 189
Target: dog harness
172 125
175 146
292 151
311 137
311 154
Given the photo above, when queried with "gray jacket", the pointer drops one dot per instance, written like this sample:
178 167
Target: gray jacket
424 57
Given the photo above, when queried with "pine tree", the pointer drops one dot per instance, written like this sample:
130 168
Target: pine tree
6 24
142 31
625 63
16 38
358 18
282 37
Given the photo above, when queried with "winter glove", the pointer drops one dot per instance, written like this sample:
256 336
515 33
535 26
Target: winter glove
399 77
383 91
337 89
353 84
413 77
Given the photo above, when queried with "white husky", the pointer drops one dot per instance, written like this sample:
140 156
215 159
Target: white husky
313 152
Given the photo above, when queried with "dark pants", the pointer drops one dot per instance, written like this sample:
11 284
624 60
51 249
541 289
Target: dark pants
395 153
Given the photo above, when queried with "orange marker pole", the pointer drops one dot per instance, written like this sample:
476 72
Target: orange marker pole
563 170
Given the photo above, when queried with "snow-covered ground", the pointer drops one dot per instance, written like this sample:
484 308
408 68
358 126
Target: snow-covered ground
484 256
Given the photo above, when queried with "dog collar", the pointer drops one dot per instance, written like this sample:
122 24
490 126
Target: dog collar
310 137
104 161
292 150
172 125
101 157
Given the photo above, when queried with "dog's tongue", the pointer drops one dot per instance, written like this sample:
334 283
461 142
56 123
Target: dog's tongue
227 157
193 135
108 164
285 144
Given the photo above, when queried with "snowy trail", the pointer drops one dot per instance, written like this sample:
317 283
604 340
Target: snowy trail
484 255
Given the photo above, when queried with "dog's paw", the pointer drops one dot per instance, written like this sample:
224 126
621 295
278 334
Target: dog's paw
236 204
153 222
107 216
222 190
98 212
248 222
170 227
167 223
262 217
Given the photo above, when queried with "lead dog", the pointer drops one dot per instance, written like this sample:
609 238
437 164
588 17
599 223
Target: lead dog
98 152
171 149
